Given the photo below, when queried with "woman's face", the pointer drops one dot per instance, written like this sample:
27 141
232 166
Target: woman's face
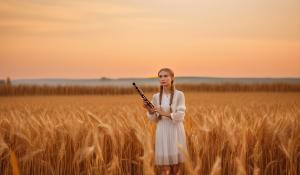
164 78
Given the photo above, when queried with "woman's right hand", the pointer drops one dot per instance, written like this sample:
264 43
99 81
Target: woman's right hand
151 110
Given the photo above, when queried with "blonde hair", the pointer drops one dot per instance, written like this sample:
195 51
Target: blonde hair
172 86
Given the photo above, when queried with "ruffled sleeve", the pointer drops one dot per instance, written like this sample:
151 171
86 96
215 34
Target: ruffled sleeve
152 117
179 113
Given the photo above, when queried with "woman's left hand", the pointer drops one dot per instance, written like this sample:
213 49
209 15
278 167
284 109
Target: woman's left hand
163 113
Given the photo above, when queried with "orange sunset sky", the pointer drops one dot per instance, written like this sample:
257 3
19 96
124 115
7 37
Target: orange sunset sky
122 38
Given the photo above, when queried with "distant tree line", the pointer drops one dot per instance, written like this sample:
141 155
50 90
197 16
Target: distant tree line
7 89
6 82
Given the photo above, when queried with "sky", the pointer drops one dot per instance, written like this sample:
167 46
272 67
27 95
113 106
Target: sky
135 38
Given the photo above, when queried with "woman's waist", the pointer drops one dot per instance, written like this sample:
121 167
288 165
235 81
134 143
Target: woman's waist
168 120
165 118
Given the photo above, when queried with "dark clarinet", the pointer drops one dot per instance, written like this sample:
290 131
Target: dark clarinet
146 99
143 96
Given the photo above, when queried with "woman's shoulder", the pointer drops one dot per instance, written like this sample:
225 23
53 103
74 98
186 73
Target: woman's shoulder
156 95
179 92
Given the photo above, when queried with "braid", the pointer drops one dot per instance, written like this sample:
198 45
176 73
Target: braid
172 95
160 94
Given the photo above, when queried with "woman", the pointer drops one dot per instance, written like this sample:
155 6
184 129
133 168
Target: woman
169 114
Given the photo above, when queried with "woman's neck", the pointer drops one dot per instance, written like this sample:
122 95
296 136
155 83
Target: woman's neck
166 89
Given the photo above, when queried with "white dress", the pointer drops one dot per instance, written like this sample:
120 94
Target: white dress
170 133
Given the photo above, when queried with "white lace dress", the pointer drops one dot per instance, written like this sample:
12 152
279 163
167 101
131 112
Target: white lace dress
170 133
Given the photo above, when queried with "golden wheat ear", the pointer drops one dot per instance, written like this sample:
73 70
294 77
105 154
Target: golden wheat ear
14 163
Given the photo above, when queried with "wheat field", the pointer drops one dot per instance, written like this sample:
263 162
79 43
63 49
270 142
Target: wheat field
227 133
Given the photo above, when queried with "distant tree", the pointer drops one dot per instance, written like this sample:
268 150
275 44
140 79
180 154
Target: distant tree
8 81
104 78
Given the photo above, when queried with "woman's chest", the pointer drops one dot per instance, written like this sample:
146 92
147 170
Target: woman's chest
166 101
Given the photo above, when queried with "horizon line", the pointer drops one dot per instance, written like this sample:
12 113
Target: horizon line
118 78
